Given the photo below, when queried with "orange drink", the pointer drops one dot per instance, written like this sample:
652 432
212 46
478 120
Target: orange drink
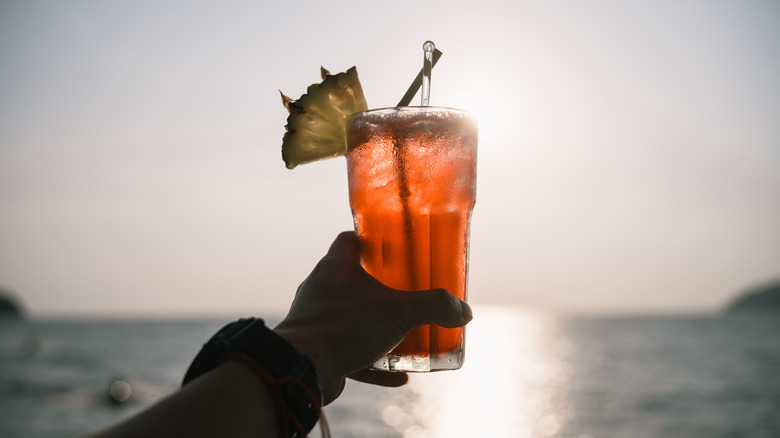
412 187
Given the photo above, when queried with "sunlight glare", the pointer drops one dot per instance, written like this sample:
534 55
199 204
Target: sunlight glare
515 381
488 110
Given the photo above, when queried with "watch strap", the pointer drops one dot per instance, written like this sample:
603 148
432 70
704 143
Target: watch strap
293 372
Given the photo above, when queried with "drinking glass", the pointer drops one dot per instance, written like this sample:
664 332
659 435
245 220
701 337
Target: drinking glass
412 188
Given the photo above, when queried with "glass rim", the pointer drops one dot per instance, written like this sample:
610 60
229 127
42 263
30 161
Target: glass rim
411 108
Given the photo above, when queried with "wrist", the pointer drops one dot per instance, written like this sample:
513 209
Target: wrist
290 375
307 343
311 342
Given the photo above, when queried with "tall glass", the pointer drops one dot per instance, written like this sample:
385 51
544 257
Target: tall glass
412 187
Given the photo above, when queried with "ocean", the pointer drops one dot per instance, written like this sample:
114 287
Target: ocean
526 375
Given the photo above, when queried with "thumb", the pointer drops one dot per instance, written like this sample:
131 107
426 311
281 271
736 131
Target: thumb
436 306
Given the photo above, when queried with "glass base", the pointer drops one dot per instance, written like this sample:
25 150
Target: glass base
420 364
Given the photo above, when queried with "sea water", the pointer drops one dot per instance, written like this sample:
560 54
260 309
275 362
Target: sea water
632 377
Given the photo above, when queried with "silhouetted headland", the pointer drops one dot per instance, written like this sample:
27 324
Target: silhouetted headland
9 307
761 300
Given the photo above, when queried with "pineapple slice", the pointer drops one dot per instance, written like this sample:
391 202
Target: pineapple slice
316 124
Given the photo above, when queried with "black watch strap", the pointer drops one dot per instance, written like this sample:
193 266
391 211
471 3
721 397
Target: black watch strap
251 337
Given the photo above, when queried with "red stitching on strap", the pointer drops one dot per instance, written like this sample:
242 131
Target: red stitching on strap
284 413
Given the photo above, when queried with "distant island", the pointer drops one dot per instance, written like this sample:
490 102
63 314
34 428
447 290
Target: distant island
9 308
764 299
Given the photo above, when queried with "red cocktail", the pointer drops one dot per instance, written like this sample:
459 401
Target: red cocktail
412 186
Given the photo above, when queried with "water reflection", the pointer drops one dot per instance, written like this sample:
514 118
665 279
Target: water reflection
515 383
638 377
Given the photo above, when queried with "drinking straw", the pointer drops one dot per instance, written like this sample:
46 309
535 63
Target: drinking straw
404 191
425 92
418 82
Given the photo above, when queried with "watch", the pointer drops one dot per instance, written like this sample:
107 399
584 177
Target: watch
250 337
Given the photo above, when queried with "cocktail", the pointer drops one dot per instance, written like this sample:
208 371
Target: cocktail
412 177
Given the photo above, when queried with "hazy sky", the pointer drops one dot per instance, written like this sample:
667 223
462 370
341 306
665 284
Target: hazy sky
629 151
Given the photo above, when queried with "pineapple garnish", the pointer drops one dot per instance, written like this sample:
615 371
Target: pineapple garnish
316 124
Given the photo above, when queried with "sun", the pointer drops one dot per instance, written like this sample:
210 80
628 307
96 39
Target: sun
487 109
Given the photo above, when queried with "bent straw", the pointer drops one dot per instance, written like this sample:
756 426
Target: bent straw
404 191
418 82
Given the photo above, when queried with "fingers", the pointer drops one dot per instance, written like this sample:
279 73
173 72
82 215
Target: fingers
345 246
342 257
435 306
332 390
381 378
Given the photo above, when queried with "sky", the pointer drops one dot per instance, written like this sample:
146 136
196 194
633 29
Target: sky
629 154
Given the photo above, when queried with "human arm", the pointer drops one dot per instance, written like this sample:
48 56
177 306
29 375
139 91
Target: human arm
231 400
341 318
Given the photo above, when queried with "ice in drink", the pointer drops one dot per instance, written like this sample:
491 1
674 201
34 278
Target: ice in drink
412 181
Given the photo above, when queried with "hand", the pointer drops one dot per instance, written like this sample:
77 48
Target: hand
344 319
